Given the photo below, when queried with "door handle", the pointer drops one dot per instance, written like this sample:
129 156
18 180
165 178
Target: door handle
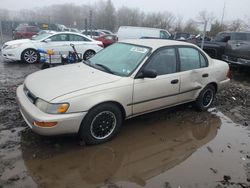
174 81
205 75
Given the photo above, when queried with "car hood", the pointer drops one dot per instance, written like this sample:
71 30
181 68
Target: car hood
19 41
55 82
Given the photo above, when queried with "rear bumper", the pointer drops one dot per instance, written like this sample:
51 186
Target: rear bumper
236 61
66 123
223 84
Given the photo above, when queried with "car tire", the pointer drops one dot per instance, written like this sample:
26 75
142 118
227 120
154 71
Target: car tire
205 98
88 54
101 124
30 56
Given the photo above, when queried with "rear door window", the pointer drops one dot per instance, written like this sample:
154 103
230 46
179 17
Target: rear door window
59 38
77 38
190 59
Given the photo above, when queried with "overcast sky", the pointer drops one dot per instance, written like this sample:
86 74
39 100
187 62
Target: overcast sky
186 8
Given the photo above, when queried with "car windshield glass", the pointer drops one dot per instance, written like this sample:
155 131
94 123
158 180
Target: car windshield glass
39 37
241 36
121 59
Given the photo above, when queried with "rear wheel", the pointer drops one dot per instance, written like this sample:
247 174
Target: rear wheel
88 54
30 56
206 98
101 124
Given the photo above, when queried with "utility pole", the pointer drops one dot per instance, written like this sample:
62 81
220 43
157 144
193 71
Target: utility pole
86 25
90 22
1 32
204 34
223 14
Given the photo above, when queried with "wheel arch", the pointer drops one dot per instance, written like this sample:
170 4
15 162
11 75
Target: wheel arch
215 86
30 49
92 50
119 105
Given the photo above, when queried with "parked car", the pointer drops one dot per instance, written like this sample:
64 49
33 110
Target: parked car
74 30
122 81
93 33
25 31
107 39
26 49
216 47
182 36
44 32
129 32
107 32
237 50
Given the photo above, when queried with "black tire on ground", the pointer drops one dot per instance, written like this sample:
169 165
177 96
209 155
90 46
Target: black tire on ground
30 56
205 98
101 124
88 54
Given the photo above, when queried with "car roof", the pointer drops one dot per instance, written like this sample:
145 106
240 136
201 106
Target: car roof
156 43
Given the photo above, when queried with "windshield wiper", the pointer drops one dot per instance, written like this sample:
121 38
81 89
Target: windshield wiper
87 62
105 68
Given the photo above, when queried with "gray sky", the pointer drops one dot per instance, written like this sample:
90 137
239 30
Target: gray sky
186 8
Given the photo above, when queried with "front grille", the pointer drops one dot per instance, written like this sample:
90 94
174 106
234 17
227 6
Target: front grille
30 95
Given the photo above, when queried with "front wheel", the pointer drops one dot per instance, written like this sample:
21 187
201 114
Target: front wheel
30 56
101 124
206 98
88 54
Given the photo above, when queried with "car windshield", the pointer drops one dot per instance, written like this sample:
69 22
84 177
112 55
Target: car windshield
241 36
120 58
39 37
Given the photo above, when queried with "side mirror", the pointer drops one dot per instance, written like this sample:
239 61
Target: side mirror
147 73
47 40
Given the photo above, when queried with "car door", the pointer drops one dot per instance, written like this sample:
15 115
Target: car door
194 73
155 93
81 43
59 43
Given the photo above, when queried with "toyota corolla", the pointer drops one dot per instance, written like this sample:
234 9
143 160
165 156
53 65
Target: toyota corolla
127 79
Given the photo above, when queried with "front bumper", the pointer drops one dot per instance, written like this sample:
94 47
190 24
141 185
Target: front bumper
66 123
236 61
10 55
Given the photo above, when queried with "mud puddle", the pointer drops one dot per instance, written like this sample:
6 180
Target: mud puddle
190 150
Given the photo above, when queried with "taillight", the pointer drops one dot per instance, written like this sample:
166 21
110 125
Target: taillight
101 45
229 74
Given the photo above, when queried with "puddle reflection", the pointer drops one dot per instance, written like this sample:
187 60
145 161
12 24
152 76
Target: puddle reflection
142 150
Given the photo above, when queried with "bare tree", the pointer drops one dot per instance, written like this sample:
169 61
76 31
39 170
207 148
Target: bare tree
238 25
129 17
178 24
205 16
191 27
4 15
217 27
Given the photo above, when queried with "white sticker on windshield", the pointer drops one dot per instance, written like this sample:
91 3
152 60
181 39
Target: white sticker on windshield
139 50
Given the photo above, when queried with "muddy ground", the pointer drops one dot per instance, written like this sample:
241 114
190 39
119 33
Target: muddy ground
177 147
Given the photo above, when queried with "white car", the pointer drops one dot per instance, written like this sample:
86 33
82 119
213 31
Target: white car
127 79
26 49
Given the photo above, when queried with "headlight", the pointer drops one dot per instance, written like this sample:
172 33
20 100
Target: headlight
13 46
50 108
